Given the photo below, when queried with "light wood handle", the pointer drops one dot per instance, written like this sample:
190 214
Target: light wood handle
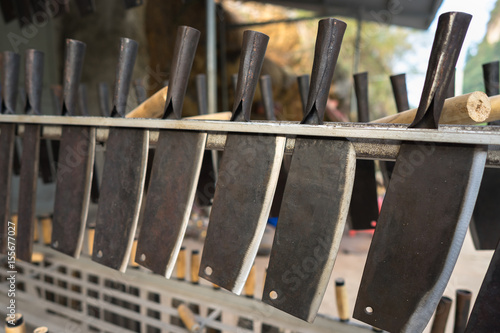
46 230
42 329
187 317
15 324
37 257
250 283
181 264
90 240
195 266
132 262
467 109
342 300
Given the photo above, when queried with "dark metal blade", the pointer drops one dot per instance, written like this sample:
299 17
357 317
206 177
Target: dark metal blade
316 198
7 138
484 315
132 3
364 200
8 10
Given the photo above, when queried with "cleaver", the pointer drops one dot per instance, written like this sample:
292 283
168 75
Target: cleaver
427 207
30 156
9 62
316 198
175 170
75 161
246 183
123 175
364 200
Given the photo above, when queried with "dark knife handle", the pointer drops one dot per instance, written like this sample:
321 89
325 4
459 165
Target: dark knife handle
450 34
491 78
186 44
201 93
441 315
124 69
103 92
83 100
303 82
251 60
266 91
463 299
361 90
328 42
73 64
398 83
10 80
33 81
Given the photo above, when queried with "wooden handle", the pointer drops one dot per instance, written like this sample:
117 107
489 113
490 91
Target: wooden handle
441 316
41 329
15 324
187 317
467 109
46 230
181 264
90 240
37 257
195 263
250 283
132 262
342 300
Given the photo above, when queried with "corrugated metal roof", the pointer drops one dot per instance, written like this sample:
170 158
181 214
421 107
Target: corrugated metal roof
407 13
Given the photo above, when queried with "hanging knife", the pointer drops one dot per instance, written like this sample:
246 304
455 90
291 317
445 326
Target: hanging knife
9 62
175 170
485 223
76 158
30 156
123 175
427 207
248 175
364 200
316 198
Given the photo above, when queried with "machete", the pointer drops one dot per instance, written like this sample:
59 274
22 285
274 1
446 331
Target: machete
316 198
30 156
175 170
364 201
76 158
9 63
123 175
248 175
484 315
427 207
485 223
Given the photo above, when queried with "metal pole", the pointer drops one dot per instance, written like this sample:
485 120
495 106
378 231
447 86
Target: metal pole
211 57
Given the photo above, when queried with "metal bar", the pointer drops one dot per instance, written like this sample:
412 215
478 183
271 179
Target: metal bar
211 57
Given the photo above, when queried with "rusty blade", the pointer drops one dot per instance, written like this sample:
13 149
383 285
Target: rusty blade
316 198
484 315
364 200
30 157
175 171
247 180
75 160
485 223
123 176
427 207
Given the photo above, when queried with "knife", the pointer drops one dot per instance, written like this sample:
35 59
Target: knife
175 170
303 82
427 207
30 156
75 161
485 223
484 315
364 201
123 175
316 198
9 62
463 298
248 175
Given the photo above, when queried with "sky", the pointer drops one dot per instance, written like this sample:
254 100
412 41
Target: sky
480 10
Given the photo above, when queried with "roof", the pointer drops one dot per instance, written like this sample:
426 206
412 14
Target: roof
406 13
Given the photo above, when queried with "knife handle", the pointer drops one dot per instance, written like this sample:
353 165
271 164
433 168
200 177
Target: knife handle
10 80
342 300
188 318
249 287
201 93
463 299
103 92
181 264
491 78
124 69
303 82
186 43
15 324
46 223
361 89
398 83
75 52
441 315
195 266
450 34
83 100
251 60
266 91
41 329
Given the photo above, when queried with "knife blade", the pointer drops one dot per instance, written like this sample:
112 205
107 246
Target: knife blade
30 156
364 200
485 223
75 161
175 170
248 174
316 198
123 175
427 207
484 315
9 62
